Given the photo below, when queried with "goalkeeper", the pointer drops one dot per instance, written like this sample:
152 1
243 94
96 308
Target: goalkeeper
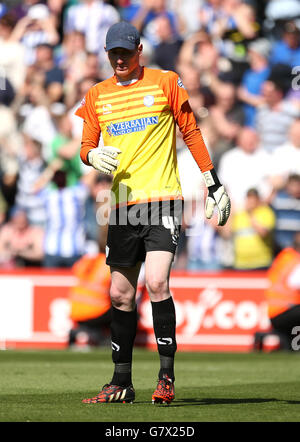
136 111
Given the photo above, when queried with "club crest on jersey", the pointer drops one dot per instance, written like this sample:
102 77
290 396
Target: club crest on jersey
148 100
179 82
126 127
106 108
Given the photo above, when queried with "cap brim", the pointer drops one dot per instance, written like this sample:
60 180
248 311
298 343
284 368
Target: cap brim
120 44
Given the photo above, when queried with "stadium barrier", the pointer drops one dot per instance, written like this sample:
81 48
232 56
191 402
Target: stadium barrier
215 311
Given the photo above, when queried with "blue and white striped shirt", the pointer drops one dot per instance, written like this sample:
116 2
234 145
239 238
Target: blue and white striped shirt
287 212
26 198
65 210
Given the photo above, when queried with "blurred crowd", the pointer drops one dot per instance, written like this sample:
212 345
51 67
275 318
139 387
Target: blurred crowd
240 63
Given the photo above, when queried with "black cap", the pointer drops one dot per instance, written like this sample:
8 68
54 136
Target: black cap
122 35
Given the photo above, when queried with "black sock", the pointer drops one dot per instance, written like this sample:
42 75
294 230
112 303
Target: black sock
166 367
122 374
164 324
123 331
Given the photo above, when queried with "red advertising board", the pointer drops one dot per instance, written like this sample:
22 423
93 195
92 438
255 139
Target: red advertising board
219 311
215 311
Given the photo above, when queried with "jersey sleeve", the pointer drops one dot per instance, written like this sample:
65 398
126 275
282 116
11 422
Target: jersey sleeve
186 121
91 129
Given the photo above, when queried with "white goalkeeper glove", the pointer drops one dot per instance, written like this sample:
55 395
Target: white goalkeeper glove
104 158
217 196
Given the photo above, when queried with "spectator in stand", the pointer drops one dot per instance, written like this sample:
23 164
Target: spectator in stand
276 114
245 166
286 205
64 155
232 25
283 293
64 233
90 72
199 97
31 166
12 53
167 50
144 19
92 67
74 100
76 62
188 12
286 159
287 50
52 74
210 15
199 52
21 245
70 56
36 109
33 29
253 79
227 118
252 231
92 18
241 18
67 148
45 62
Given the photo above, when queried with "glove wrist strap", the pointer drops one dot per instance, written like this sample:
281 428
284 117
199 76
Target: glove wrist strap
211 180
87 156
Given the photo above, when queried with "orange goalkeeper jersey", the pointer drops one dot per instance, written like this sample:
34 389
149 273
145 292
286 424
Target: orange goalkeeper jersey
139 119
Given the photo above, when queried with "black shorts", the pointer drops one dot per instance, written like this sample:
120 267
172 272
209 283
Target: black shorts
140 228
286 321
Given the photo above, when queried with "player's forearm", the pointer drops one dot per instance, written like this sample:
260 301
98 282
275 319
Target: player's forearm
90 140
85 148
217 195
194 141
193 138
91 129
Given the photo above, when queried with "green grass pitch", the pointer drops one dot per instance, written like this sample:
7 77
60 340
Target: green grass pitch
47 386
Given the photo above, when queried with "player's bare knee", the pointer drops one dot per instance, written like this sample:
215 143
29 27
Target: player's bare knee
158 289
120 298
